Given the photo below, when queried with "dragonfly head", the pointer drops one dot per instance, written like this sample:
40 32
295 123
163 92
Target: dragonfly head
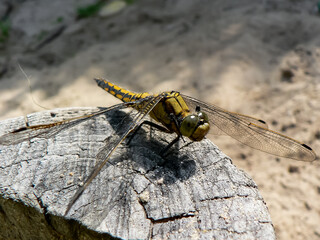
195 126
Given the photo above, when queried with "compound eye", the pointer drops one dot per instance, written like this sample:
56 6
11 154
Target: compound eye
203 116
188 125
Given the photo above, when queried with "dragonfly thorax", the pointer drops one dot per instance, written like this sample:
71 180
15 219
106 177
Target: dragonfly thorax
195 126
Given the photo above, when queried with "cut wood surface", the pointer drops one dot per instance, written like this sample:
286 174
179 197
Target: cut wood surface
194 192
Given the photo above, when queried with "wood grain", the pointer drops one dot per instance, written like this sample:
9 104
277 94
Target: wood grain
194 192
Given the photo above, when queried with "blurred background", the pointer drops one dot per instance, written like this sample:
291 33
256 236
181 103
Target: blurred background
260 58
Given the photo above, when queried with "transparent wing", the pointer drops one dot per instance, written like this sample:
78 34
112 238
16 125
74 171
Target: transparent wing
252 132
145 106
49 130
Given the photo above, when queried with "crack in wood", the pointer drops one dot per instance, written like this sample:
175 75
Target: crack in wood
47 217
172 218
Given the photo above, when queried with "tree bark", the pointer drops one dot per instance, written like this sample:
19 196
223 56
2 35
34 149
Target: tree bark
194 191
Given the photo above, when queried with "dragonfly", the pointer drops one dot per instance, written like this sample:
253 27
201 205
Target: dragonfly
172 112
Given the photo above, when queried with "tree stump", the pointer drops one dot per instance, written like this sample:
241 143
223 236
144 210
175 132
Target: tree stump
194 192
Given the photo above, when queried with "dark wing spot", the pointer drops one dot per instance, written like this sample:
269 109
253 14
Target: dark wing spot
262 121
306 146
20 129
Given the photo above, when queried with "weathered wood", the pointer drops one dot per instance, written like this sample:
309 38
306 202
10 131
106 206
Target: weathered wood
193 192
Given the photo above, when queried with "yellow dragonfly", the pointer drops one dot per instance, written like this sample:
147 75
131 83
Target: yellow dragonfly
177 113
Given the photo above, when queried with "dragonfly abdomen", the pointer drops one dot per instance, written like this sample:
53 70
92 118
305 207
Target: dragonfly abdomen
120 93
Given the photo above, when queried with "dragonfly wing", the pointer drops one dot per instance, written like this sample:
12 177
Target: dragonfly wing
49 130
146 105
215 130
253 120
246 130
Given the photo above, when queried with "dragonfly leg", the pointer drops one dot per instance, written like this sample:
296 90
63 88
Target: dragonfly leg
152 124
164 150
175 120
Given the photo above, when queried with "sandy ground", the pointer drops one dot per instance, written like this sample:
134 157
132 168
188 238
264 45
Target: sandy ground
261 58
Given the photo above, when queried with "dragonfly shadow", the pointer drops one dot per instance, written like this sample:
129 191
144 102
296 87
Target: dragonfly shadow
142 149
135 166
